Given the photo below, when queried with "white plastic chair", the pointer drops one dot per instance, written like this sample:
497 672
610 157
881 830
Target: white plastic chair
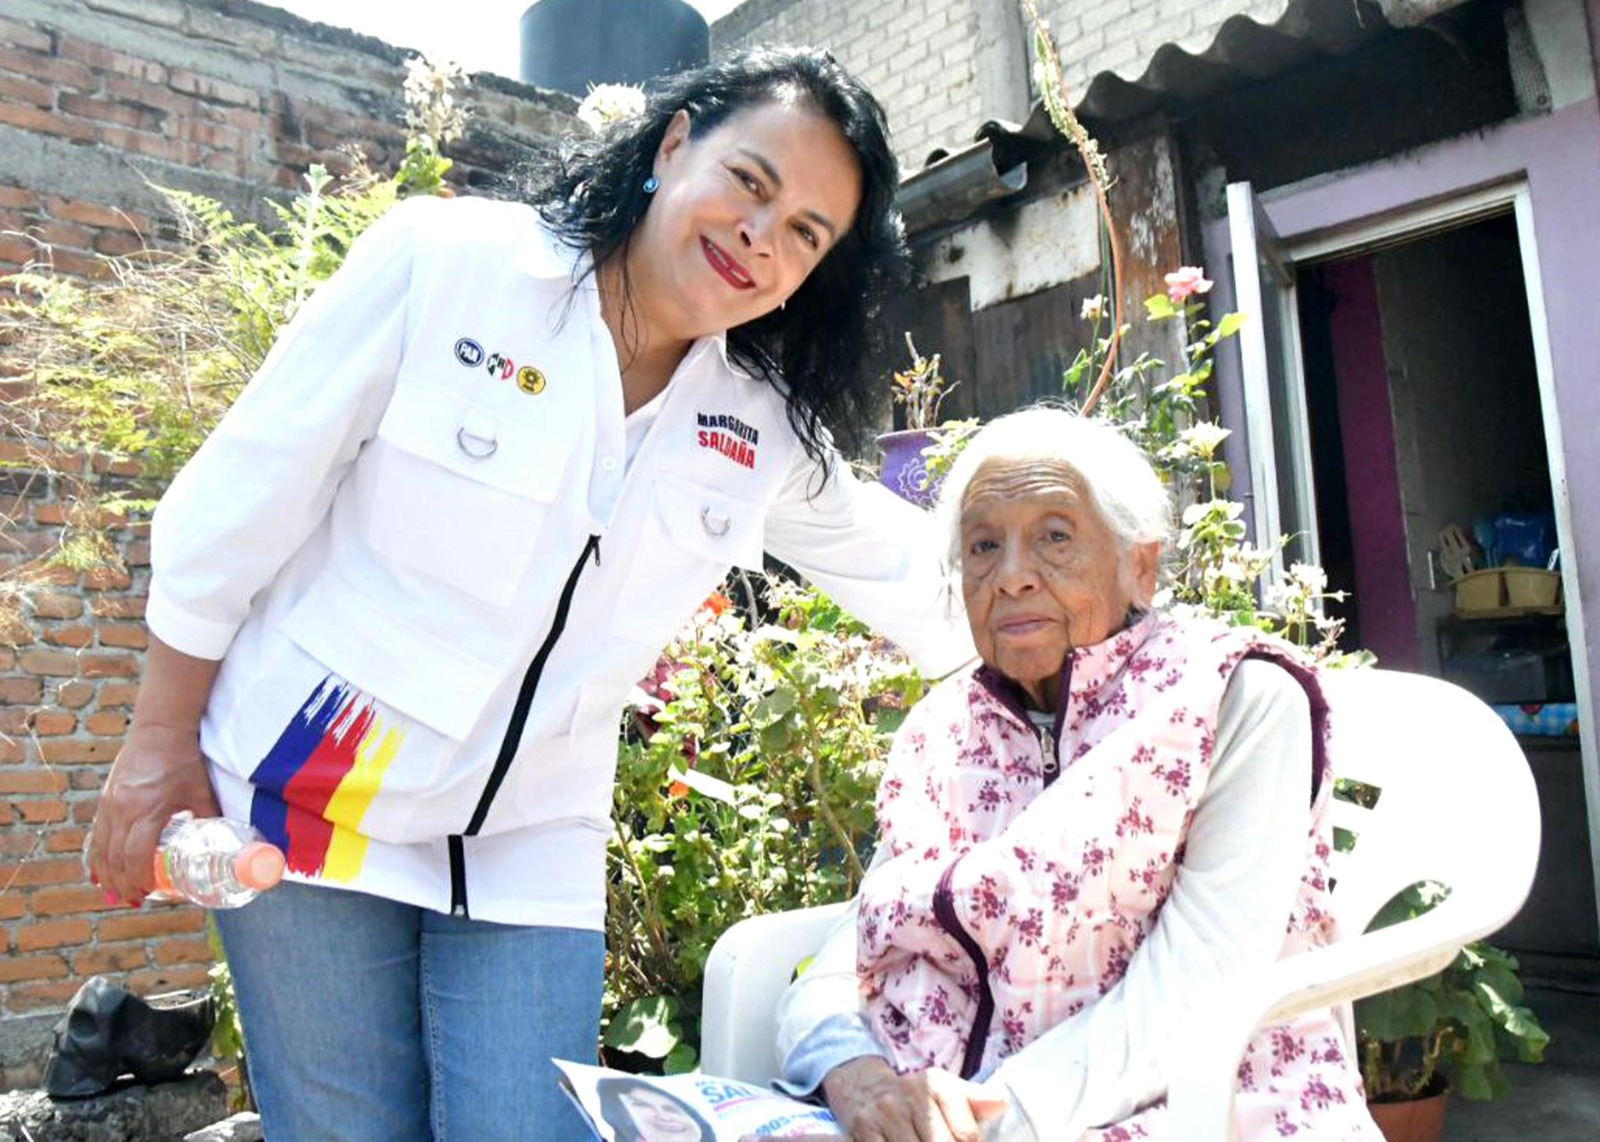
748 969
1457 806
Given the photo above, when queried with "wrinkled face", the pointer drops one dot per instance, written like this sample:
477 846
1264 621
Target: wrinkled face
745 211
1042 572
659 1118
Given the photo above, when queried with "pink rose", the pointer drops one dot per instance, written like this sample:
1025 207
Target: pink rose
1185 281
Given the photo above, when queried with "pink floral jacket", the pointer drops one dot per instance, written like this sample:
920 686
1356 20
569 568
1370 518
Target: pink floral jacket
1009 895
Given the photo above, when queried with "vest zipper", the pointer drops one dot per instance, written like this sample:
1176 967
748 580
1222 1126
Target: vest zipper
1050 739
944 911
1009 695
513 738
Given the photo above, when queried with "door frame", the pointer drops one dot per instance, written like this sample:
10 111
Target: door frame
1272 304
1404 222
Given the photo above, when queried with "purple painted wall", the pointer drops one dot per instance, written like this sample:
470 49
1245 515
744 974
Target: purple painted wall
1382 586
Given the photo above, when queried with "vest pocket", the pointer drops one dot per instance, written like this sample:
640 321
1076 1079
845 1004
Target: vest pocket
457 492
691 535
419 674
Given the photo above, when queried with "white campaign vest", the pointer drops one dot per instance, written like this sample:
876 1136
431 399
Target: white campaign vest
435 577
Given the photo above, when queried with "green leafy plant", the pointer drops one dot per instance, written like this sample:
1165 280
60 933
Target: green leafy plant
749 762
227 1034
1456 1026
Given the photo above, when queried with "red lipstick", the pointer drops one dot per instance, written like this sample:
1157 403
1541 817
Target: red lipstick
725 265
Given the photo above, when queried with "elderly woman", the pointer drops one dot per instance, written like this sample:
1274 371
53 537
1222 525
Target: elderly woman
1079 835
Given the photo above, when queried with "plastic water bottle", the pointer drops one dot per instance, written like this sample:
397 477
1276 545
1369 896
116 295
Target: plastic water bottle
214 862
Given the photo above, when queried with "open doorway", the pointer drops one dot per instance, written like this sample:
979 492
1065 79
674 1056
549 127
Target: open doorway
1422 410
1423 405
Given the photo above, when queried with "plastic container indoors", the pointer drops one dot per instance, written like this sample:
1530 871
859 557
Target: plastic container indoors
1480 591
1531 586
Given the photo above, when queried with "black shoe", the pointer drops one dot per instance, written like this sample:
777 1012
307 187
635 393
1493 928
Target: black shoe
108 1033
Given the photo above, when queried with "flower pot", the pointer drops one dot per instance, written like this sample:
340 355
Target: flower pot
1416 1119
905 469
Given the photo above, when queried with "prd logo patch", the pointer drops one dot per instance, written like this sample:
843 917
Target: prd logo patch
471 354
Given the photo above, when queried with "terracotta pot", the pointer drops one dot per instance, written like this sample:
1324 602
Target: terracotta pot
1415 1120
905 469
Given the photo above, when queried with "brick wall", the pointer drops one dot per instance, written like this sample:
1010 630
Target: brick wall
915 56
222 97
68 674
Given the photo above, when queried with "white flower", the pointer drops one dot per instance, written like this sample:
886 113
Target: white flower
1226 509
1202 439
430 108
608 103
1094 308
1275 599
1308 577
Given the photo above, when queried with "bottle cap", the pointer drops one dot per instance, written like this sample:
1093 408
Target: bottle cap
259 865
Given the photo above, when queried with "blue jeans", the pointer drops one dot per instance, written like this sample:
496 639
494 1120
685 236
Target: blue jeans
367 1020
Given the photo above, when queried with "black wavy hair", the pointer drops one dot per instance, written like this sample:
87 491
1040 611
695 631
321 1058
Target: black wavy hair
620 1119
819 347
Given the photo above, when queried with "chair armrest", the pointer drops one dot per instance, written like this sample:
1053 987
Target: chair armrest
1205 1056
749 967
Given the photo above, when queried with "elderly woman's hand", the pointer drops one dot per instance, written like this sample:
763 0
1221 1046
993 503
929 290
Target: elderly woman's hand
874 1103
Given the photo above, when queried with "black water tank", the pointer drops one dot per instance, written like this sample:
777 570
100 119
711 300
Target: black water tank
569 44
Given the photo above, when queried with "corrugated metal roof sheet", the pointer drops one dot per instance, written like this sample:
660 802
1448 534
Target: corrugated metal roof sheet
1240 50
1243 48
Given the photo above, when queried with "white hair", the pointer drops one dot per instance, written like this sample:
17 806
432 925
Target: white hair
1118 478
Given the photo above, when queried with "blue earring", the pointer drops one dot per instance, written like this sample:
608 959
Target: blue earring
652 184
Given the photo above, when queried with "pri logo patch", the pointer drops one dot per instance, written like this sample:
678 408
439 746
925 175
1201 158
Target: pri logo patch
471 354
727 434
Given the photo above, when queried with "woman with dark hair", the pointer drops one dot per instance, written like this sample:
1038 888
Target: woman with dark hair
593 193
637 1111
401 593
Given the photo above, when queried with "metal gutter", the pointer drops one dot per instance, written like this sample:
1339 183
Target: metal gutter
952 186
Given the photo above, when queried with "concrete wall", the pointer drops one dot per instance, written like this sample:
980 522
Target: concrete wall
226 98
